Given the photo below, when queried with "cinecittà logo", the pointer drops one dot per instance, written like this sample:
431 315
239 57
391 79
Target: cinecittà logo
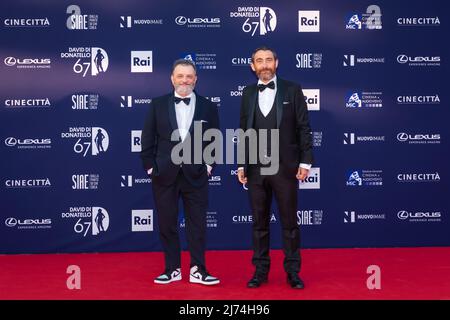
26 22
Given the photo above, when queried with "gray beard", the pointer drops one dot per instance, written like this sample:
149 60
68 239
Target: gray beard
184 90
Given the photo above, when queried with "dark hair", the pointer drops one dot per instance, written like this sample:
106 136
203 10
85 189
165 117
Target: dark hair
264 48
184 62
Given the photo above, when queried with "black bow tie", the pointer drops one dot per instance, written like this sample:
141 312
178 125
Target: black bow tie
185 100
270 85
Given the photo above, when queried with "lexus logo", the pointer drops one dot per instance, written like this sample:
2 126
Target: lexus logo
11 222
402 58
180 20
402 136
403 214
10 142
10 61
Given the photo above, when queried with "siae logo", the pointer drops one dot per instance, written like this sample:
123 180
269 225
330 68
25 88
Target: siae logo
84 101
85 181
308 60
78 21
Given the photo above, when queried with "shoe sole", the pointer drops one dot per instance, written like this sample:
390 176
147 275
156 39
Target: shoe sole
209 283
178 278
260 283
295 287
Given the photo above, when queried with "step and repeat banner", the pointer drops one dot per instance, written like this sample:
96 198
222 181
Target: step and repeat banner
77 79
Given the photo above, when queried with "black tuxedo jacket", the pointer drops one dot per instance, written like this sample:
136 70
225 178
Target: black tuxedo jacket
156 141
295 141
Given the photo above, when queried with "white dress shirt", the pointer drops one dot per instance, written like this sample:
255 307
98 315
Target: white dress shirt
266 99
185 114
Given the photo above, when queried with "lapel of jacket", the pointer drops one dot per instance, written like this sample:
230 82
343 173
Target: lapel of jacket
172 113
251 112
196 117
279 100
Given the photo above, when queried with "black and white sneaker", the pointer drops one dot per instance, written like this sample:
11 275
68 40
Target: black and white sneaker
200 275
169 276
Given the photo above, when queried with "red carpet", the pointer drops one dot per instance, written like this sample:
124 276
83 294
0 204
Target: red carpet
406 273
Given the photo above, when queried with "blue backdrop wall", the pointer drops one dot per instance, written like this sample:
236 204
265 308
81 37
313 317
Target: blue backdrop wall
77 79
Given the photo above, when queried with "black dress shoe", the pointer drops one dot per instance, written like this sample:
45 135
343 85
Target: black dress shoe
257 280
294 281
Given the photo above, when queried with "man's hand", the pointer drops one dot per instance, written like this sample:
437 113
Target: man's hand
241 177
302 173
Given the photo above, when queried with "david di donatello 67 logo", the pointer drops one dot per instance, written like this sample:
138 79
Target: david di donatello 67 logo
94 220
262 19
87 60
93 139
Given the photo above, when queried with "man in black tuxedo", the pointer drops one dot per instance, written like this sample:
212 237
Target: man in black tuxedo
180 110
270 104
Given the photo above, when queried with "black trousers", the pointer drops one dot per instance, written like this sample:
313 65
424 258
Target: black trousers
261 190
195 203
